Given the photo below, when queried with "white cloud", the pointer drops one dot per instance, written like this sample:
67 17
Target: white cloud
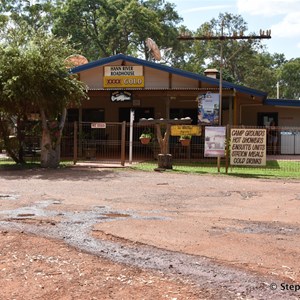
205 8
268 7
288 27
288 12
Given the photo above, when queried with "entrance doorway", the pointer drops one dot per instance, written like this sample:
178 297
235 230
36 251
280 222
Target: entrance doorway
139 113
265 118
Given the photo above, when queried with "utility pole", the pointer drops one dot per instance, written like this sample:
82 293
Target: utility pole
235 36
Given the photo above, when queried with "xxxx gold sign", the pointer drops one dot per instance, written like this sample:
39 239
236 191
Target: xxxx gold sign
124 81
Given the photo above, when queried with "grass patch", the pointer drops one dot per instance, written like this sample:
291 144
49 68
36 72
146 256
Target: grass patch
273 169
9 164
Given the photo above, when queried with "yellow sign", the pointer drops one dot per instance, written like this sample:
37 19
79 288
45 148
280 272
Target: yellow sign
177 130
124 81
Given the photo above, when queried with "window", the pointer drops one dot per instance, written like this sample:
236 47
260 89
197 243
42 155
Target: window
93 115
183 113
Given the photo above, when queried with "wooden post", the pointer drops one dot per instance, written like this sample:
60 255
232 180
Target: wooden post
164 158
123 144
75 150
228 138
164 161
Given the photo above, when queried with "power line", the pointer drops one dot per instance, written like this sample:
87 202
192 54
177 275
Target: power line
263 35
222 38
235 36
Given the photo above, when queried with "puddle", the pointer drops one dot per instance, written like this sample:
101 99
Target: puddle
116 215
222 194
9 197
25 215
255 227
75 229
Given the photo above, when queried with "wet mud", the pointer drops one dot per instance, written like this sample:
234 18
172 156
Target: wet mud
76 229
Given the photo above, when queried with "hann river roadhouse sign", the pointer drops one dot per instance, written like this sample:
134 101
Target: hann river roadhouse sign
248 147
123 77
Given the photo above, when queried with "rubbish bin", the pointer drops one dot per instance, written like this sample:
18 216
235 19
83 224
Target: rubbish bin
297 142
287 142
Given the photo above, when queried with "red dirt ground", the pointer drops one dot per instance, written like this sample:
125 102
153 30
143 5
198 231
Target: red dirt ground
245 224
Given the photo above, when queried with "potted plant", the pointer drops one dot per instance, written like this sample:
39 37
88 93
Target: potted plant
146 137
185 140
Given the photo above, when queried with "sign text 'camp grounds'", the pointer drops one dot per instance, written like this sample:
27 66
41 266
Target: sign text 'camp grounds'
248 147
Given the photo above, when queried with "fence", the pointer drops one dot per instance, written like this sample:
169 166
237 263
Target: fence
110 143
105 145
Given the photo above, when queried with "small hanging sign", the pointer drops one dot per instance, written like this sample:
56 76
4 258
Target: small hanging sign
98 125
117 96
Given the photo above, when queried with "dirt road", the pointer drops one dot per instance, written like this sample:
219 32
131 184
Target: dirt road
121 234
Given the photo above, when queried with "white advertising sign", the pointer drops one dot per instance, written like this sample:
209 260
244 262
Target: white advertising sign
98 125
214 141
248 147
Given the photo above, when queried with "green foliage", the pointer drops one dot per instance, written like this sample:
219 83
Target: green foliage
264 72
147 134
273 169
33 72
37 13
34 78
108 27
289 78
185 137
100 28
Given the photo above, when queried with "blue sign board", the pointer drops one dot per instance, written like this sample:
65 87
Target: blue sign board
208 109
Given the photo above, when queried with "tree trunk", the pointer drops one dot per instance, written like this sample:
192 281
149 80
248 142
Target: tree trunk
51 139
163 141
10 144
50 158
164 161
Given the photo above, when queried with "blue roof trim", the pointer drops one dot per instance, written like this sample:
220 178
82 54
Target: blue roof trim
107 60
282 102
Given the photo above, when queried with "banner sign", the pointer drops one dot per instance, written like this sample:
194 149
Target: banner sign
123 77
248 147
208 109
214 141
177 130
117 96
123 82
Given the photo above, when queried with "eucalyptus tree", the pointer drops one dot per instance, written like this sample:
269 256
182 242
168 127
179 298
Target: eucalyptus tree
34 78
101 28
263 72
235 53
289 80
35 13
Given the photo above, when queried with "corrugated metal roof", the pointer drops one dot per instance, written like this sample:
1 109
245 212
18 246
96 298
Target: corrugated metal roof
282 102
158 89
164 68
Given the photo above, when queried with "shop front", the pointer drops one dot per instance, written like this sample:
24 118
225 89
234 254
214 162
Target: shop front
121 84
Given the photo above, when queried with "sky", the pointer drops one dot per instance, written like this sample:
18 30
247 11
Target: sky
281 16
